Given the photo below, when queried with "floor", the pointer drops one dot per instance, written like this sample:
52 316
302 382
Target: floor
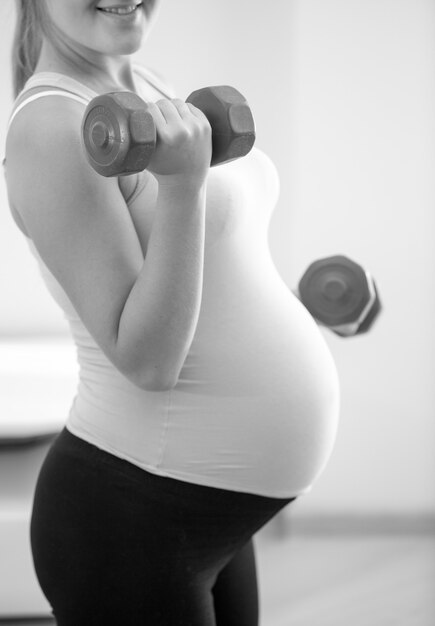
318 580
348 580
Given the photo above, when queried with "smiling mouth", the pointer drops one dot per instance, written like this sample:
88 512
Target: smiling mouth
121 10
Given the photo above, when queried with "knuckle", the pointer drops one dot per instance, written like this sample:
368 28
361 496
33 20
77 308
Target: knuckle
183 134
164 136
179 136
204 128
197 130
203 121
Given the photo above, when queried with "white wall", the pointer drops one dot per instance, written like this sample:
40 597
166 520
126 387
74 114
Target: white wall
343 92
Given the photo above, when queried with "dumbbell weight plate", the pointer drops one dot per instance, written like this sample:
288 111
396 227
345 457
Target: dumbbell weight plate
233 126
119 134
340 294
372 314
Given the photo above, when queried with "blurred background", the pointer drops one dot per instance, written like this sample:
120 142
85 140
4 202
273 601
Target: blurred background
343 93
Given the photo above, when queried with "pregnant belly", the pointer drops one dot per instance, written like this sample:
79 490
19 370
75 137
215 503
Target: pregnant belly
256 409
257 401
256 406
254 338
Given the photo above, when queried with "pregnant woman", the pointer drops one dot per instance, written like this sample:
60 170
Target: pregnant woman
207 398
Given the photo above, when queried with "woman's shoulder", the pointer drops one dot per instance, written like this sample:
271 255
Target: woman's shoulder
44 95
43 133
49 106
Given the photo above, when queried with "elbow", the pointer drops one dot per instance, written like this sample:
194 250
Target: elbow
159 384
157 373
156 381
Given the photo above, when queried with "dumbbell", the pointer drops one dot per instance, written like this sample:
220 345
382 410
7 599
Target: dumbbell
341 295
119 133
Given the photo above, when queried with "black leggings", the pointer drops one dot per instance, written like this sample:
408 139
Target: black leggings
114 544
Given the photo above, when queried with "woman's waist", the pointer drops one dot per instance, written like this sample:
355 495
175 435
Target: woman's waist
242 384
204 413
257 442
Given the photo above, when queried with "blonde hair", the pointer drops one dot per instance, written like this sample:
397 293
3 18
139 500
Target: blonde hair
31 25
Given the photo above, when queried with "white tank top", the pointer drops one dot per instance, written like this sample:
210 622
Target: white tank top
256 405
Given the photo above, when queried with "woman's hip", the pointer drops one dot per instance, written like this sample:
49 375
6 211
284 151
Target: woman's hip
82 485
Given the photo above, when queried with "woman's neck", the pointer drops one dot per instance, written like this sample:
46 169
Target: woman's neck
100 73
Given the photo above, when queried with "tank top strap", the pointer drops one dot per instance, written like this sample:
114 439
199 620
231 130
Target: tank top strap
59 81
42 94
53 85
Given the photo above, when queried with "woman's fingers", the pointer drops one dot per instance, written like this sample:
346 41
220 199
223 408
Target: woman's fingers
183 139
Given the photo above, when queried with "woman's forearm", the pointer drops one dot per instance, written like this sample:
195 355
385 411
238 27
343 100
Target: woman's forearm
160 315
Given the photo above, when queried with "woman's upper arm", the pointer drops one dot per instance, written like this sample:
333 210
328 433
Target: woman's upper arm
78 220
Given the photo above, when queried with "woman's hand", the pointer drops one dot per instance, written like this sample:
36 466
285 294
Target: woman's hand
184 146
